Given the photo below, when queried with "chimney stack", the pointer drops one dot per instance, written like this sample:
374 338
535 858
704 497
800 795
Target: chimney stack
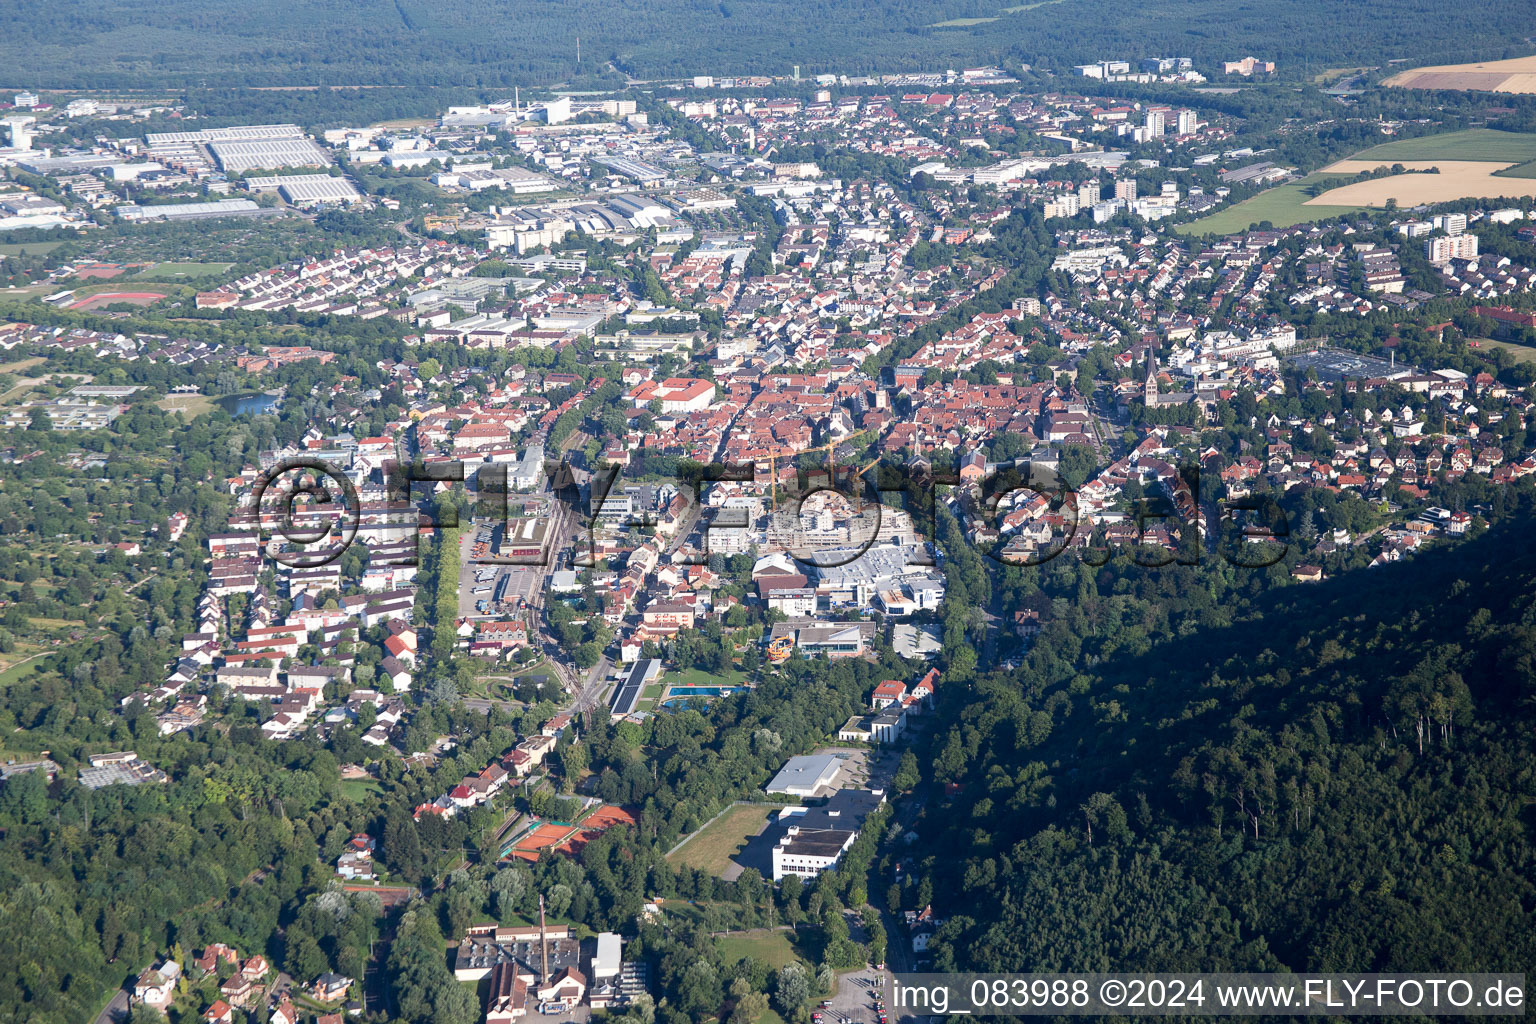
543 946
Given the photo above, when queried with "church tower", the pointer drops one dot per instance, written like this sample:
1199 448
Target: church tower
1149 387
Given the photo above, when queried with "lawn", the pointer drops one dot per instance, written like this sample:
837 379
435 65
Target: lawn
358 790
773 948
22 364
1485 144
1282 206
180 271
699 677
193 405
1522 353
713 846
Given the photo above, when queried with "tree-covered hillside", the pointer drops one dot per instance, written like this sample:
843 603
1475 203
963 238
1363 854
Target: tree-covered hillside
1341 778
136 45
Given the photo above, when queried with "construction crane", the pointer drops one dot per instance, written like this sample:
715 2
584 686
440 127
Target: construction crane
773 463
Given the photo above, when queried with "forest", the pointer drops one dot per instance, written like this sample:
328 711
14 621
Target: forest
1198 772
410 43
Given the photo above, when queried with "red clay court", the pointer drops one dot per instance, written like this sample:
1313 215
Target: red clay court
108 298
565 838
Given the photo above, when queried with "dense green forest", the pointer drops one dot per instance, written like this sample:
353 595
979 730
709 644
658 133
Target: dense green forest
118 44
1329 777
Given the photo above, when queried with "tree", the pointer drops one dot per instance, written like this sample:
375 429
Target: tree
402 846
907 776
304 960
793 990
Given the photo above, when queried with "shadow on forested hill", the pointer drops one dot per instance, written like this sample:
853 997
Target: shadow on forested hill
1342 778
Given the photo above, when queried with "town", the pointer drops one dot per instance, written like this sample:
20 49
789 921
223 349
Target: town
607 495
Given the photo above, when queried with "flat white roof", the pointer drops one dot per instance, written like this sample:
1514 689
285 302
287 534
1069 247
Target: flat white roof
804 774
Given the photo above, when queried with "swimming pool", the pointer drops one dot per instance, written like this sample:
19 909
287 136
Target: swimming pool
679 696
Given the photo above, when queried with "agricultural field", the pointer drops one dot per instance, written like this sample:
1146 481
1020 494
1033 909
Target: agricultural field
1474 144
1513 76
1477 163
1457 179
1525 170
712 847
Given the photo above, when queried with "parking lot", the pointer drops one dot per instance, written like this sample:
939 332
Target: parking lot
854 1000
864 766
481 582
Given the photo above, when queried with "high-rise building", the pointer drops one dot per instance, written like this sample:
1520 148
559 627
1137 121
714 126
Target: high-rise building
1188 122
1125 189
1157 122
1089 192
20 134
1454 223
1443 248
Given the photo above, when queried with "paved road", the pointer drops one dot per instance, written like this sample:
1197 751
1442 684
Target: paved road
116 1011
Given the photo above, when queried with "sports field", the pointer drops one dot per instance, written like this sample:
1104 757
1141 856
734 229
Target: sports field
181 271
109 298
566 837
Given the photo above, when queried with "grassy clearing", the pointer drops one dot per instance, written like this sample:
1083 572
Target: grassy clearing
18 669
191 405
1485 144
773 948
22 364
42 623
1015 9
713 846
1334 74
1282 206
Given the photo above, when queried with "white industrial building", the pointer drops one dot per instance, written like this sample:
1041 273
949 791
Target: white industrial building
307 189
